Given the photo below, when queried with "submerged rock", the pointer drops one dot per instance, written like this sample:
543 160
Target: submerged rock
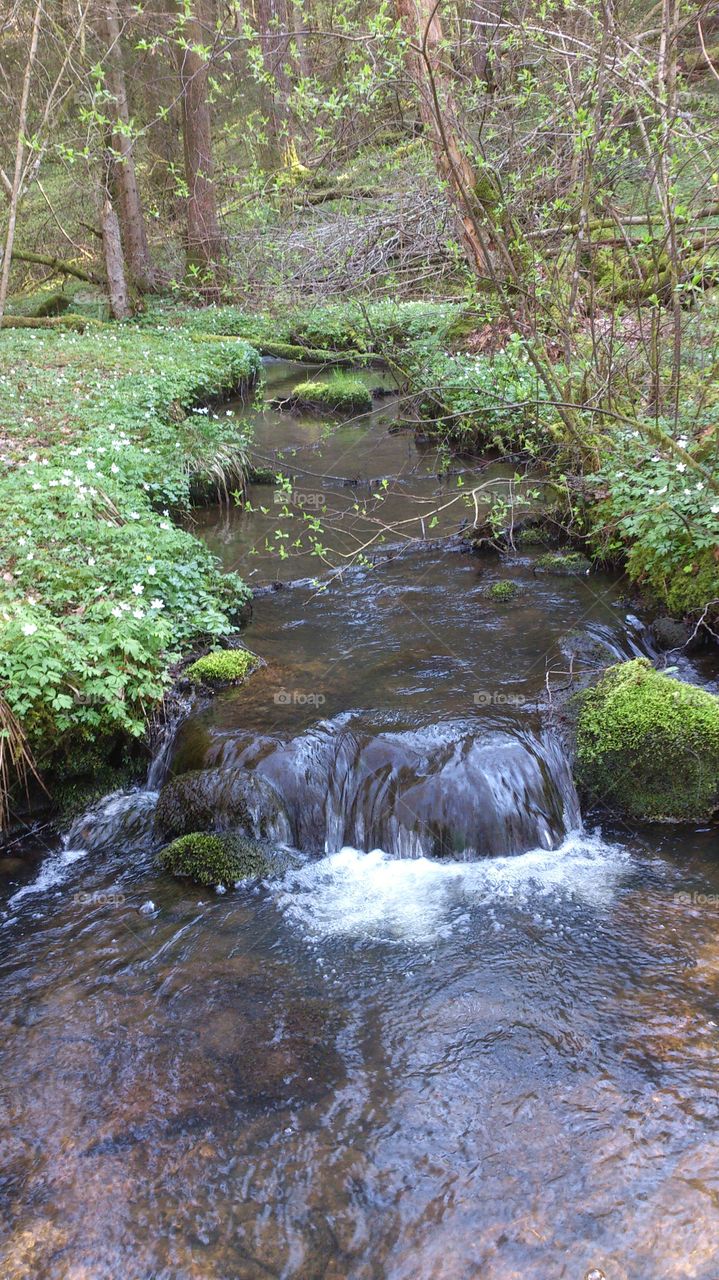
212 859
648 745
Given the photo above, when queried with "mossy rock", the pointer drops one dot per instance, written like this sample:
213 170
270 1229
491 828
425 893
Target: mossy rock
565 564
221 800
190 802
223 666
505 590
533 536
212 859
340 393
648 746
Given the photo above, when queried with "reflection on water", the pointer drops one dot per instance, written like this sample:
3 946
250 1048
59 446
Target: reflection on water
372 1068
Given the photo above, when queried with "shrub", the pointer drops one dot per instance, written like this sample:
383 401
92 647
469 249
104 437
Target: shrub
101 592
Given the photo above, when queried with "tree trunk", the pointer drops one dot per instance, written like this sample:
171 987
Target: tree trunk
114 258
438 111
204 239
486 16
123 176
299 14
272 27
14 195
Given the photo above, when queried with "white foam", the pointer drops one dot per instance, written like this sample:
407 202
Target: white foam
417 899
53 872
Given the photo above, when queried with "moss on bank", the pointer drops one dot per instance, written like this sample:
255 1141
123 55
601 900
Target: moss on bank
213 860
100 591
340 393
648 746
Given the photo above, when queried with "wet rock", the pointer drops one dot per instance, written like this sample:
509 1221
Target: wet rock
669 633
221 800
648 746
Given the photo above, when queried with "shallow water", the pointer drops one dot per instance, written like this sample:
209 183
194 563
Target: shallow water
373 1067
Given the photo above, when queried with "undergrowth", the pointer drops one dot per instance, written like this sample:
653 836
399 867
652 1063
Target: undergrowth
102 436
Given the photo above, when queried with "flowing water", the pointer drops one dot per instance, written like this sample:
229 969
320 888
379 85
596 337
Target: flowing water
457 1034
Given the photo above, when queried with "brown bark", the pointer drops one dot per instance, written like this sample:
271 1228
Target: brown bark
272 27
486 16
123 175
14 196
114 258
438 111
204 239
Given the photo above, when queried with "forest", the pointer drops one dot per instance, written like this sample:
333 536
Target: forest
359 610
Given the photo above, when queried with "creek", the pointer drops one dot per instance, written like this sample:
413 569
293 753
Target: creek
461 1032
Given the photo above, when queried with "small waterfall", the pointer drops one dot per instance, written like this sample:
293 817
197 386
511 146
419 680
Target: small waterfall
163 742
441 791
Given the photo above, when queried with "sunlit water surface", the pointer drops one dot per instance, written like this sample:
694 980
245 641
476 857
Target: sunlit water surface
371 1067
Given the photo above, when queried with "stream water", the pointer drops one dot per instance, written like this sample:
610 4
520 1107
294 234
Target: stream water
463 1035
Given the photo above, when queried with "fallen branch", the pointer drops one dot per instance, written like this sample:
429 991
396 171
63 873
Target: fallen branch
61 323
57 265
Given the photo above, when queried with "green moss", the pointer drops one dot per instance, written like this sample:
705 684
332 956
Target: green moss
648 745
565 564
534 536
340 393
223 666
213 860
505 590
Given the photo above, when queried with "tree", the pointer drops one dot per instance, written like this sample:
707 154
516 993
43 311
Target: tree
122 176
192 60
438 111
15 186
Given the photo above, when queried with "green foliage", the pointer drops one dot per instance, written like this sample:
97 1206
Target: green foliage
339 327
223 666
482 401
101 591
213 860
340 393
662 510
648 745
